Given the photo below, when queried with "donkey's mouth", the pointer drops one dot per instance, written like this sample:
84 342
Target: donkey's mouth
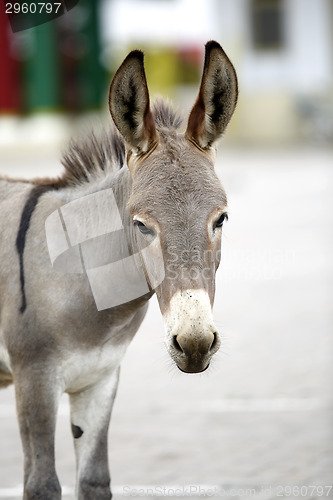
193 370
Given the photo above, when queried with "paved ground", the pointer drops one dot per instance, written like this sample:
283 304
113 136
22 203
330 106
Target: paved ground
258 424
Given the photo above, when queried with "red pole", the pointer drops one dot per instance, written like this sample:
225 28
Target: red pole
9 75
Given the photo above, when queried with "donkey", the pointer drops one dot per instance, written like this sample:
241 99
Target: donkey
150 194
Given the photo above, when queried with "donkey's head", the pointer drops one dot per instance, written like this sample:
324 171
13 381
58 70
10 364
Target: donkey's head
177 203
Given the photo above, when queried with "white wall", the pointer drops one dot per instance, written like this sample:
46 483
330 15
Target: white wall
303 66
311 55
159 21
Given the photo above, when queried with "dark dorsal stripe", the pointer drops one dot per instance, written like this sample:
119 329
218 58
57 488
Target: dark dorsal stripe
27 212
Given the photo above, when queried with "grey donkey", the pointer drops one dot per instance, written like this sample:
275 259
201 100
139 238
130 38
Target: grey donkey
137 212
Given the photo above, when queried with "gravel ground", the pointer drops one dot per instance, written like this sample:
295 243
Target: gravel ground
258 423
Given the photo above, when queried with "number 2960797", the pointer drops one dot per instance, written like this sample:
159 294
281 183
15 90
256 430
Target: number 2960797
32 7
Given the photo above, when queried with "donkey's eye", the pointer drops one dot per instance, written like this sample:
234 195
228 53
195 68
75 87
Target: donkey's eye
142 228
220 220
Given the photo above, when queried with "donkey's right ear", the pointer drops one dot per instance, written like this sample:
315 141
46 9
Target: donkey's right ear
129 104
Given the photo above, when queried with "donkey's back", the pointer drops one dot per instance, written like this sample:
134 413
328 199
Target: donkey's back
12 199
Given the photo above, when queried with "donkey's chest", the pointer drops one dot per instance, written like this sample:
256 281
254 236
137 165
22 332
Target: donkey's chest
84 368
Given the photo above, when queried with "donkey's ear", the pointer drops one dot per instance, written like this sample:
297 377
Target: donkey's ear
216 100
129 104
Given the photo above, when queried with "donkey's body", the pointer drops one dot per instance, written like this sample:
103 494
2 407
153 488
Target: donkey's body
52 337
61 342
66 305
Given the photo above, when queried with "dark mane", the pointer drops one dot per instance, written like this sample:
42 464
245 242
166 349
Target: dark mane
90 156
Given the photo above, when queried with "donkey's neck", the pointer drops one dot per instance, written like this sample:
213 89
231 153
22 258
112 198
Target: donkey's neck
112 250
119 181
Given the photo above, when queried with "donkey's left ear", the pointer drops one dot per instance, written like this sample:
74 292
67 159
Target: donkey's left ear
216 100
129 104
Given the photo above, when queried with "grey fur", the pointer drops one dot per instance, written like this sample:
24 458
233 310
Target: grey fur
61 342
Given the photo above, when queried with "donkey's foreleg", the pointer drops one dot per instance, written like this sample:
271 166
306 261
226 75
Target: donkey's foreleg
90 417
37 403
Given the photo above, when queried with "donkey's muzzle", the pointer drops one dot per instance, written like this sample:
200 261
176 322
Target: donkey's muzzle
192 337
192 353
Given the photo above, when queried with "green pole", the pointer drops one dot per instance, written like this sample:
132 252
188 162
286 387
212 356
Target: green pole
42 70
92 73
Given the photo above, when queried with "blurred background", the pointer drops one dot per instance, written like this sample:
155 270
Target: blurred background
282 50
261 418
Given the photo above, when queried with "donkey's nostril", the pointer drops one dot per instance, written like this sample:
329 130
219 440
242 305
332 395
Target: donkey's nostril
214 343
176 344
